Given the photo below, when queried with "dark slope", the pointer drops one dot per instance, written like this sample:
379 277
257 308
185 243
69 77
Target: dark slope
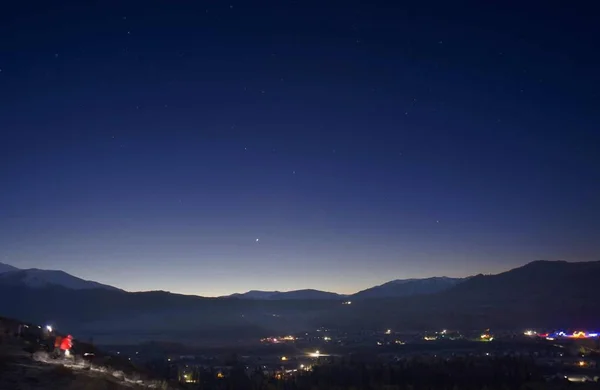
539 294
157 315
408 287
38 278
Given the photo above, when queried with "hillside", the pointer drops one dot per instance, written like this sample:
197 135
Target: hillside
539 294
539 280
24 366
118 316
7 268
39 278
408 287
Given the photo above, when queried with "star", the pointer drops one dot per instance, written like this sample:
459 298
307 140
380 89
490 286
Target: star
257 240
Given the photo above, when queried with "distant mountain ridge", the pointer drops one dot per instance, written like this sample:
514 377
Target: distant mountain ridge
393 289
408 287
287 295
541 294
39 278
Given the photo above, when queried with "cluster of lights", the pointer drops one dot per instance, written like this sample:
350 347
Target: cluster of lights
276 340
486 337
555 335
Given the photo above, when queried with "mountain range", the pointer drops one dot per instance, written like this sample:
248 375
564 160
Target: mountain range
286 295
545 294
38 278
392 289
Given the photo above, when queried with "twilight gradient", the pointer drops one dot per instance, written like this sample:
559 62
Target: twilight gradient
150 147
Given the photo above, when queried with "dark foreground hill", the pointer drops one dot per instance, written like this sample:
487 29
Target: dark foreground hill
539 294
24 366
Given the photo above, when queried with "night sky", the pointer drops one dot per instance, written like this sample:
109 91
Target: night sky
210 147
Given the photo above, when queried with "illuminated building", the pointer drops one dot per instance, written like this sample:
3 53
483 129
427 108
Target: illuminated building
486 336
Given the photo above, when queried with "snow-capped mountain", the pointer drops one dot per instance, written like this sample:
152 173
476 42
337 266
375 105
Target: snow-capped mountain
39 278
7 268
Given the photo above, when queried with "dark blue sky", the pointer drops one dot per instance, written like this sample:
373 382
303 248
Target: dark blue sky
149 145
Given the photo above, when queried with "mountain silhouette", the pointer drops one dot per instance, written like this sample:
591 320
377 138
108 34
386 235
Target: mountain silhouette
540 294
39 278
407 287
295 294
